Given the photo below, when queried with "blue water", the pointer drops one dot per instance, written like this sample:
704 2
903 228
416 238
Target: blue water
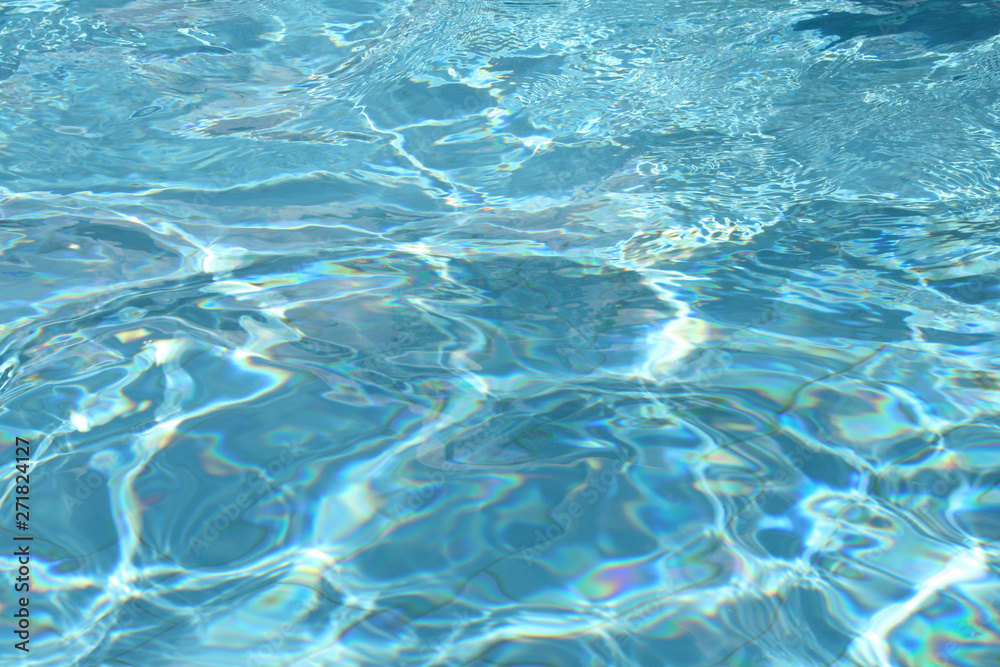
481 332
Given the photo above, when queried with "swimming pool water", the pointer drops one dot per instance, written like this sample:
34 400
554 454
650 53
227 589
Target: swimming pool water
483 332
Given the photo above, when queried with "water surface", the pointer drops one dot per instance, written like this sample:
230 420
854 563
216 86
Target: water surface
504 333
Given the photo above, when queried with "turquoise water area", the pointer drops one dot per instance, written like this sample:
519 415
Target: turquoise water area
480 332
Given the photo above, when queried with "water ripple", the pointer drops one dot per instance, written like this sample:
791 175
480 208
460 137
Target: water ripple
503 332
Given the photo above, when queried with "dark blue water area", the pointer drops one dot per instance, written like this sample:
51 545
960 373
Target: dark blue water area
938 23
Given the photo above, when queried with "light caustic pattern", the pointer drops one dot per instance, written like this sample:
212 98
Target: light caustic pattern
504 333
